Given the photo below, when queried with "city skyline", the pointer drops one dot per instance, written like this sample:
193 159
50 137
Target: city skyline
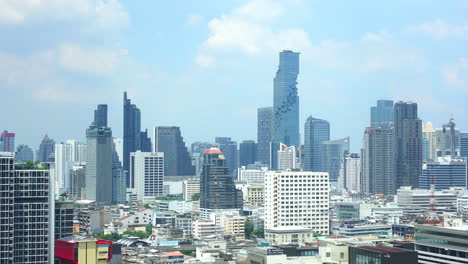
432 76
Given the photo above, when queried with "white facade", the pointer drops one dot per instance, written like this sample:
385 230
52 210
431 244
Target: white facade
205 228
297 199
147 172
462 204
353 174
251 176
190 187
66 156
287 157
183 207
118 142
417 201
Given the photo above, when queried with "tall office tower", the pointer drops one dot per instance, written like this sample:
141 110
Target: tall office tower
377 161
24 153
177 161
316 131
333 153
446 171
7 142
119 178
286 100
77 182
352 173
408 144
63 165
145 141
217 188
46 150
99 149
287 157
64 212
444 142
24 218
131 131
304 204
264 134
100 116
229 149
147 169
382 114
247 152
429 142
80 153
464 144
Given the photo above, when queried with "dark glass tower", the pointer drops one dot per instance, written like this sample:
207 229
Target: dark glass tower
316 131
264 134
229 148
464 145
100 116
217 188
177 160
333 154
131 132
286 100
382 114
408 144
46 148
247 152
145 141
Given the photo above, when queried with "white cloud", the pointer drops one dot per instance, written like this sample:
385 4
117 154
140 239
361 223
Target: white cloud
88 60
439 29
456 74
194 19
260 10
204 60
377 37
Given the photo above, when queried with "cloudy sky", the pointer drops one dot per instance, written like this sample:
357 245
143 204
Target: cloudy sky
208 65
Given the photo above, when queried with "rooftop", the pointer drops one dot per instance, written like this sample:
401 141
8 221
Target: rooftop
382 249
173 254
213 151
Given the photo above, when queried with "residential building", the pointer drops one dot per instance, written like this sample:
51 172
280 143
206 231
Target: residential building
63 164
381 254
316 131
217 188
352 173
286 157
289 235
264 134
464 144
446 172
251 176
7 142
234 225
255 194
429 142
247 152
177 160
229 149
297 198
190 187
24 153
382 114
333 153
46 150
377 161
131 131
205 228
77 182
64 212
147 169
418 201
462 204
408 144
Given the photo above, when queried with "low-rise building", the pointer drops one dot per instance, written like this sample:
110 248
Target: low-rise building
274 255
255 194
205 228
190 187
417 201
289 235
352 211
351 230
381 254
234 225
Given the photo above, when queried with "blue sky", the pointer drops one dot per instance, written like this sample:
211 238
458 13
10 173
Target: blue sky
208 65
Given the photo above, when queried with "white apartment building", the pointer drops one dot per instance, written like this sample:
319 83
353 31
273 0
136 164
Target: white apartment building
251 176
146 174
462 204
299 198
190 187
352 173
287 157
205 228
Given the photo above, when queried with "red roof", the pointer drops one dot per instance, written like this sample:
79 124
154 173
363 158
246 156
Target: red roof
173 254
213 151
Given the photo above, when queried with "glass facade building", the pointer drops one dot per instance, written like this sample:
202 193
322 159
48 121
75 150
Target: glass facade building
382 114
264 134
247 152
333 154
447 172
316 131
131 131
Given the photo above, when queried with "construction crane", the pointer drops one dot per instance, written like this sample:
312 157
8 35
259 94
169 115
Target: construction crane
453 143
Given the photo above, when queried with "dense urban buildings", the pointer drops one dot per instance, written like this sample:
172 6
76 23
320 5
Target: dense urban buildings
264 134
382 114
46 150
7 142
316 131
177 161
147 169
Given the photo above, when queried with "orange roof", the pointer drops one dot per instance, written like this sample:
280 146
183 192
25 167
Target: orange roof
213 151
173 254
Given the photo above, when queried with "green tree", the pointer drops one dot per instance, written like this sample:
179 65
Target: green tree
248 229
149 229
195 197
139 234
259 232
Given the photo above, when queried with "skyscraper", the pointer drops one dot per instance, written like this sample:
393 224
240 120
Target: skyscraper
24 153
316 131
247 152
46 148
286 100
352 173
378 161
287 157
333 153
119 177
7 142
464 144
63 165
229 149
382 114
100 116
147 170
264 134
131 131
145 141
177 161
429 142
99 162
217 188
408 144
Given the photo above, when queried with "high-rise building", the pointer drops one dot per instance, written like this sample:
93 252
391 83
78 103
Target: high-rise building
378 164
24 153
190 187
464 144
446 171
7 142
147 169
251 176
316 131
333 153
217 188
197 150
305 203
64 212
145 141
66 156
429 142
286 100
382 114
46 150
229 149
177 160
100 116
247 152
264 134
131 131
118 144
408 144
119 178
99 162
444 142
77 182
25 232
287 157
352 173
